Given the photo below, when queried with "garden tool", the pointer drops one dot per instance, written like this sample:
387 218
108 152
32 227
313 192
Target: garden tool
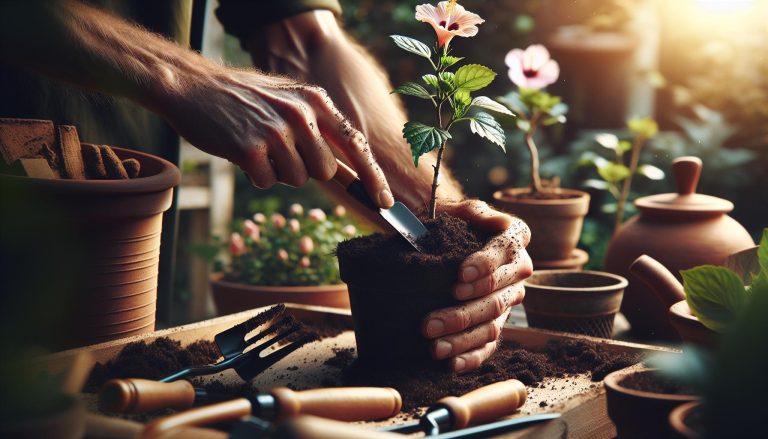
342 403
398 216
311 427
476 407
244 354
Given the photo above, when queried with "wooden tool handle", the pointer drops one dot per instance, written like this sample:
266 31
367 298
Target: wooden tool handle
134 395
687 171
311 427
345 176
486 403
340 403
107 427
210 414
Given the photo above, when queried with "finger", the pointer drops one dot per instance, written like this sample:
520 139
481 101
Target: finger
519 269
258 168
352 143
472 360
479 214
288 164
456 319
500 250
316 155
465 341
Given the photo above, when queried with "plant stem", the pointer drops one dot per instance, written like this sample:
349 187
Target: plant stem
535 178
633 161
436 177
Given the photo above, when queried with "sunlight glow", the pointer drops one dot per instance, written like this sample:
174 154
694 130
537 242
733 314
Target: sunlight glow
725 5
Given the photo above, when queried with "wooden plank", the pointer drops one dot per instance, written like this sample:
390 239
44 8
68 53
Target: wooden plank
38 168
28 139
71 153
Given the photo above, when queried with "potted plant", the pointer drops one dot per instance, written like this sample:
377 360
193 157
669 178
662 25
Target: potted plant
391 286
554 215
274 258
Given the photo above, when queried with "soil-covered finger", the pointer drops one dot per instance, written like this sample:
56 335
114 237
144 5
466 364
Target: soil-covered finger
472 360
112 164
258 167
132 167
456 319
500 250
472 338
94 164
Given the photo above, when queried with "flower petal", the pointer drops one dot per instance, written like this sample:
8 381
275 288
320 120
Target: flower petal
549 72
428 13
518 78
514 59
535 57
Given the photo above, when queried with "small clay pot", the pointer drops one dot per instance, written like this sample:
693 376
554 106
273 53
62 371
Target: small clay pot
689 328
584 302
679 420
231 297
640 414
555 223
575 262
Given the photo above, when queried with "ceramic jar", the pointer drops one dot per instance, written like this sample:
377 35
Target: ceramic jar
680 230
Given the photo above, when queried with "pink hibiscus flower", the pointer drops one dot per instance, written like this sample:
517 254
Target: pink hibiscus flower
532 68
449 20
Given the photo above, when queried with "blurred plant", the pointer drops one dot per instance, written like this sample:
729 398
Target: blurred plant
281 250
532 70
611 16
616 175
449 20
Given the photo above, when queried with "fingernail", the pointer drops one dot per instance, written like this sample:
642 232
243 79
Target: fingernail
435 327
385 199
468 274
459 364
443 349
464 291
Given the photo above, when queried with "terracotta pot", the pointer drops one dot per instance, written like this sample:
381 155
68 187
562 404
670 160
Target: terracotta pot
584 302
681 230
639 414
555 223
669 292
231 297
575 262
679 420
67 423
117 226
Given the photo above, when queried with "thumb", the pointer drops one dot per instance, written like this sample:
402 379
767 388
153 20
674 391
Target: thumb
479 214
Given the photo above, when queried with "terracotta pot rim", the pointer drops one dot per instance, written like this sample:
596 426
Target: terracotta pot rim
501 195
682 310
677 418
621 282
298 289
577 257
612 381
169 176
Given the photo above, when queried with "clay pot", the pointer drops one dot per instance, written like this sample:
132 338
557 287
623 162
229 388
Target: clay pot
584 302
67 423
117 227
679 420
669 292
555 223
681 230
640 414
231 297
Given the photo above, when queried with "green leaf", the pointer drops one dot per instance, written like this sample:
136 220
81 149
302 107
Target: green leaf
461 101
651 172
413 46
714 294
624 146
489 104
559 109
485 125
447 60
596 184
762 251
612 172
644 127
523 125
513 101
447 82
473 77
413 89
607 140
423 138
430 80
554 120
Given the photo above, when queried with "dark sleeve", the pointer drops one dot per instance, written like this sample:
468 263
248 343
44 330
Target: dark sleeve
241 17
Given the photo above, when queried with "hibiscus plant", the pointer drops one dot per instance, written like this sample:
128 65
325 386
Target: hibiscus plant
448 90
531 70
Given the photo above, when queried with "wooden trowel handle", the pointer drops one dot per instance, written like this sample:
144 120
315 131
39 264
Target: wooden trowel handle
486 403
311 427
134 395
340 403
210 414
345 176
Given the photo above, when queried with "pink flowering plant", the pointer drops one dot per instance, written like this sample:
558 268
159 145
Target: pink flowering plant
447 87
282 250
531 70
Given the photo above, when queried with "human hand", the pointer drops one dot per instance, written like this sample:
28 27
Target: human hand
490 283
275 129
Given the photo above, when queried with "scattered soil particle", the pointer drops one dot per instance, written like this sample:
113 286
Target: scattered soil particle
544 195
543 404
656 383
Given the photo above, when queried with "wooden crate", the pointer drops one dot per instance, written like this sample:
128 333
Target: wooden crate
580 400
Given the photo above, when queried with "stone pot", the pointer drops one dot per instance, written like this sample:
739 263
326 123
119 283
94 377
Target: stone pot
555 223
110 243
584 302
640 414
232 297
679 421
681 230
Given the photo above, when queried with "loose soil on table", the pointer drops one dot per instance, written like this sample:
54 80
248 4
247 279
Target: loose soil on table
558 359
545 195
653 382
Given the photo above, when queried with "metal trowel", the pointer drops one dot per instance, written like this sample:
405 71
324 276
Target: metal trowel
398 216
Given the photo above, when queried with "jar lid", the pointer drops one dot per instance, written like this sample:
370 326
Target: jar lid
686 202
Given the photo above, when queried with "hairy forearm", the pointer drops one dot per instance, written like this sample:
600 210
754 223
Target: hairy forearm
313 48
